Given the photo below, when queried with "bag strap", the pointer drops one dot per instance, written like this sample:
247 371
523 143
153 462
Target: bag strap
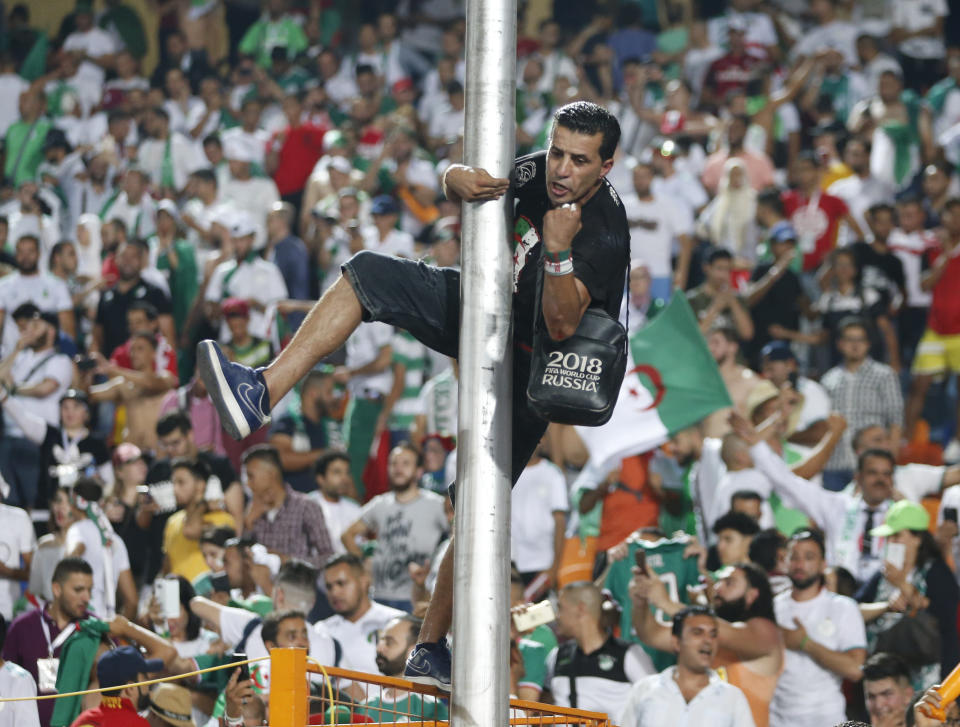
247 630
573 690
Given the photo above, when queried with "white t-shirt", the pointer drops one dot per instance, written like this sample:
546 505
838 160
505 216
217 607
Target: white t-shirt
258 279
95 43
11 86
914 15
32 367
46 291
654 226
16 538
816 402
838 35
540 491
359 638
15 681
338 516
656 701
398 242
363 347
234 620
833 621
95 553
438 403
910 247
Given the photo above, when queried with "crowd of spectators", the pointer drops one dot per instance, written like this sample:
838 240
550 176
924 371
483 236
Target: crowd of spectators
789 168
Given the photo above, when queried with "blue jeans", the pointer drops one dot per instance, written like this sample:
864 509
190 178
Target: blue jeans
20 467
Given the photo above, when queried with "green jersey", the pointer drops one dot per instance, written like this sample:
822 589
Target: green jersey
412 354
665 556
409 707
534 663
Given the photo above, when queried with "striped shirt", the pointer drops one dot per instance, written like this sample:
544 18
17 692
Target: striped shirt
412 354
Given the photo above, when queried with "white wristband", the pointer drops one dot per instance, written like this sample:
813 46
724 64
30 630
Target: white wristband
564 267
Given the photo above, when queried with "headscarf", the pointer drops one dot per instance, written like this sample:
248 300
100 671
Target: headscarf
734 212
89 263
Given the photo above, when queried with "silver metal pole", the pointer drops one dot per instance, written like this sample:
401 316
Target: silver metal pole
481 632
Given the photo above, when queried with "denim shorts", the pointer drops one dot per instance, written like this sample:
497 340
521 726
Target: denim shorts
425 301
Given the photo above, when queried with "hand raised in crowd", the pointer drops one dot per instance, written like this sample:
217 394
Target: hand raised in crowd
419 572
646 587
925 707
560 225
237 694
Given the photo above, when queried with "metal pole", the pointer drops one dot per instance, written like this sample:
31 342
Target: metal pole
482 531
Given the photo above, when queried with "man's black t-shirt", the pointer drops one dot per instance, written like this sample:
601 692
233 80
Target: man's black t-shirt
880 270
781 305
112 311
600 250
56 450
219 467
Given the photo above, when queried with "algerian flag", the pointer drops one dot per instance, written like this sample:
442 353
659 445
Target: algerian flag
672 382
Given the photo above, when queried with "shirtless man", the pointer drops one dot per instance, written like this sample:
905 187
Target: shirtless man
739 379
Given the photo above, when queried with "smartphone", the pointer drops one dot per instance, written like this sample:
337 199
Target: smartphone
950 514
168 594
536 615
640 558
896 554
244 668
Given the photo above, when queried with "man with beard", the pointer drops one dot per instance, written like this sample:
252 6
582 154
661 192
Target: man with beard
690 693
395 643
751 646
406 523
27 642
592 669
29 285
110 328
357 618
119 670
825 638
861 190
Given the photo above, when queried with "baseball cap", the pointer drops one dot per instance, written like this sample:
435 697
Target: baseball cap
120 666
777 351
172 704
783 232
903 515
384 204
737 24
168 206
402 84
341 164
76 395
334 139
242 225
236 307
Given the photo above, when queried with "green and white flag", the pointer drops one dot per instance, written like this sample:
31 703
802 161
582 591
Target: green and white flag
672 382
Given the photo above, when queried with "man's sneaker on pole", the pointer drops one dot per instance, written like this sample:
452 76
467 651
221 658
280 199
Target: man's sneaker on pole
429 663
238 392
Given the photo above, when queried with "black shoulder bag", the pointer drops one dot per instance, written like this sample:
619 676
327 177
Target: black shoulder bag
577 380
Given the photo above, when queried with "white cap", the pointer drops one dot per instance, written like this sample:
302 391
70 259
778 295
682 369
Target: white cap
168 206
236 150
242 225
341 164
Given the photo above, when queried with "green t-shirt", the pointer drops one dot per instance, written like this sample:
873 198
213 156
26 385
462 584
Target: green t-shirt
409 707
24 149
265 35
183 280
409 352
665 556
534 663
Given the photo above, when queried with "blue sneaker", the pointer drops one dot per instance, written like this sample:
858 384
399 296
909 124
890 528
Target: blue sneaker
238 392
429 664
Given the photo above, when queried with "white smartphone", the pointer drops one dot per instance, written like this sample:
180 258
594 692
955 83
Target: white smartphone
896 554
168 594
537 614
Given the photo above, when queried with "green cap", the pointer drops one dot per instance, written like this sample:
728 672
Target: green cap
83 6
903 515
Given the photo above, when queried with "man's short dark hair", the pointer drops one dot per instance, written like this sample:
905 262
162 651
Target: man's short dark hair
585 117
883 207
57 249
885 665
69 566
217 536
213 138
25 310
347 559
33 238
718 253
272 621
852 322
771 198
298 573
264 453
810 157
160 111
679 618
146 307
173 421
196 467
738 521
324 461
810 536
881 453
745 495
205 175
88 488
765 548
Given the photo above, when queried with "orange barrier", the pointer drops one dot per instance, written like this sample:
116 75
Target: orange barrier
352 697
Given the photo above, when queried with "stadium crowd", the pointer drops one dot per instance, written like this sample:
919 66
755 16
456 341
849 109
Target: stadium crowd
789 167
